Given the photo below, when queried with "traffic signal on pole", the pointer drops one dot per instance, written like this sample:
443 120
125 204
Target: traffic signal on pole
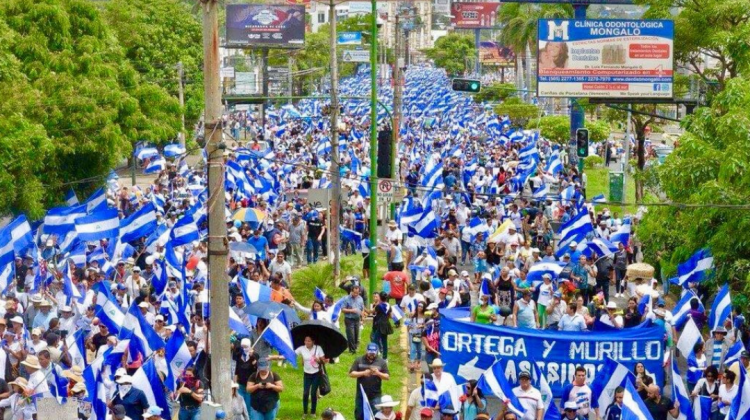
582 142
467 85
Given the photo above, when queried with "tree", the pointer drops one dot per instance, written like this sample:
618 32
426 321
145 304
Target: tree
495 92
555 128
156 35
450 52
716 30
710 167
598 130
519 112
73 105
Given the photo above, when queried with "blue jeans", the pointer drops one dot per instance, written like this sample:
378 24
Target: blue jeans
312 249
245 395
190 413
465 250
271 415
415 351
382 341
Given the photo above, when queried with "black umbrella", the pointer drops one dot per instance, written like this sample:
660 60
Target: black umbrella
269 310
325 334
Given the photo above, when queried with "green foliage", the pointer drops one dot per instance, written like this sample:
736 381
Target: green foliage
520 113
711 166
520 20
592 162
554 127
72 104
598 130
450 52
495 92
156 35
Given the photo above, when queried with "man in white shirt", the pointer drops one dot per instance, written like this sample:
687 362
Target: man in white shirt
393 233
280 265
611 318
148 316
410 301
578 392
37 380
529 397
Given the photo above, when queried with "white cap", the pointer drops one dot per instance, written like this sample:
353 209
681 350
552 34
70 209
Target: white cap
143 305
125 379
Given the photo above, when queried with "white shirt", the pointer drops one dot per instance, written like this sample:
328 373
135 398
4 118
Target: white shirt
308 358
727 395
604 319
38 382
284 268
392 235
415 402
407 300
531 400
581 395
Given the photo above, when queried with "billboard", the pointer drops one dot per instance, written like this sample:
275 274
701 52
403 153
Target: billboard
494 54
350 38
441 6
605 58
265 25
474 15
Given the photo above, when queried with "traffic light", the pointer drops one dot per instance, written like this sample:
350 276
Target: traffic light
467 85
582 142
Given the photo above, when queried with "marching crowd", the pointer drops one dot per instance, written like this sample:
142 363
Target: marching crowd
119 320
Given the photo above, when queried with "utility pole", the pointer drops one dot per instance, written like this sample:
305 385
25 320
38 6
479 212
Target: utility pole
221 378
290 67
626 152
181 93
264 89
373 147
397 98
335 203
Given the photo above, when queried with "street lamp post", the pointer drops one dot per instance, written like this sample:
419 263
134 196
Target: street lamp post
373 146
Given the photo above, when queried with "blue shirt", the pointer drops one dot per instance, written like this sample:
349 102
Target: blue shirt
353 303
572 323
260 243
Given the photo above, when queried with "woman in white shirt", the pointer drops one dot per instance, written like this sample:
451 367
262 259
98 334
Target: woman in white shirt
312 358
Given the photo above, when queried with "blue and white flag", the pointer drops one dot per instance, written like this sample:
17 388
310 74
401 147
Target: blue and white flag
633 407
494 382
70 198
434 178
734 353
575 229
694 371
185 230
366 408
702 407
681 309
541 192
396 313
689 337
100 225
236 324
485 288
143 337
429 394
58 386
254 291
147 380
541 268
696 269
319 295
720 309
172 150
139 224
277 334
178 358
622 234
61 220
612 375
20 233
680 394
146 152
7 275
601 246
599 199
740 408
155 166
554 164
97 201
76 344
108 309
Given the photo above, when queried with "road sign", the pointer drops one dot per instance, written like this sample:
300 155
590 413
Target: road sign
356 56
385 190
350 38
227 72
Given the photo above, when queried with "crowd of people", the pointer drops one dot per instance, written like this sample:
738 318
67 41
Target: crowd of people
121 323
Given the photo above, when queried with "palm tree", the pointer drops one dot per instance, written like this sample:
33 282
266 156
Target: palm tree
519 23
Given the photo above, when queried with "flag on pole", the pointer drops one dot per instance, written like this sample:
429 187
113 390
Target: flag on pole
720 309
100 225
696 269
493 382
611 375
740 408
633 407
178 358
279 337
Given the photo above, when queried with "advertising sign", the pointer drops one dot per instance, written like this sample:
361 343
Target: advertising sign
474 15
468 349
303 2
350 38
262 25
356 7
493 54
605 58
356 56
441 6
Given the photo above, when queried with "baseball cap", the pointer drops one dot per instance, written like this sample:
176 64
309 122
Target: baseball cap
524 375
372 348
425 412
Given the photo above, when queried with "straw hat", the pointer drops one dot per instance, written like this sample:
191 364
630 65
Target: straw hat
75 373
78 387
387 401
32 362
22 382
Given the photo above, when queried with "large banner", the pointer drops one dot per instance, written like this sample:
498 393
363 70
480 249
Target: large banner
265 25
605 58
493 54
474 15
468 349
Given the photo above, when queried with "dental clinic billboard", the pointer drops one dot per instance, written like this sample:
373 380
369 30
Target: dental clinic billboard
605 58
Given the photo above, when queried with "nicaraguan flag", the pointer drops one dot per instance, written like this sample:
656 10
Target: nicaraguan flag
160 279
680 393
6 248
603 387
277 334
494 382
20 233
689 337
147 380
172 150
366 408
236 324
70 198
61 220
633 407
336 309
740 408
577 226
554 164
97 201
541 192
254 291
681 309
100 225
599 199
396 313
319 295
601 246
485 288
696 269
58 386
539 269
720 309
178 358
143 337
7 275
139 224
146 152
185 230
76 344
694 372
155 166
429 394
540 382
434 178
108 309
734 353
702 408
623 233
